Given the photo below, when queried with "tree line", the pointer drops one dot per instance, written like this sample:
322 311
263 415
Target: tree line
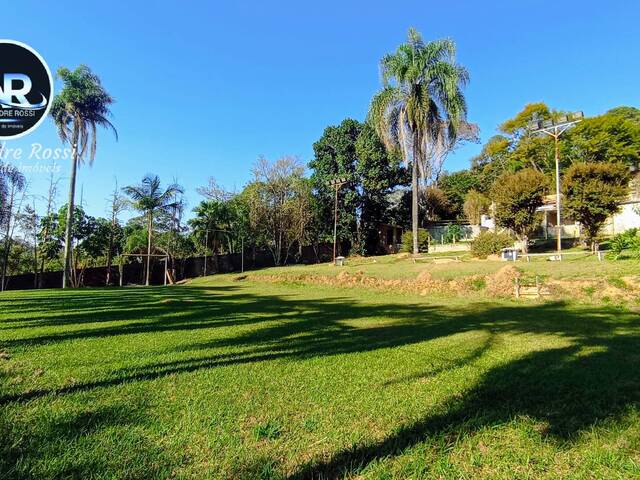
391 164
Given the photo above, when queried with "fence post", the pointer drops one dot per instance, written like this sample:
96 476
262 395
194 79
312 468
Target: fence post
517 287
537 286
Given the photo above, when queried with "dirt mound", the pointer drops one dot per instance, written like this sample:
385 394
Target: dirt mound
424 276
501 283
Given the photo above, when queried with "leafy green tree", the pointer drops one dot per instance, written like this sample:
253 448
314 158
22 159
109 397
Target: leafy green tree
516 127
376 174
353 150
436 204
606 138
28 221
84 228
475 205
526 150
78 110
628 113
280 206
149 198
95 245
50 244
593 192
517 196
335 156
215 225
456 186
421 109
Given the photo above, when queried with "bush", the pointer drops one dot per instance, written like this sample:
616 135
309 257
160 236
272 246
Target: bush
489 243
452 234
423 241
629 240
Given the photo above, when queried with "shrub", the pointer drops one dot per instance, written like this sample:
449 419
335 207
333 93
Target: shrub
452 234
629 240
490 243
478 284
423 241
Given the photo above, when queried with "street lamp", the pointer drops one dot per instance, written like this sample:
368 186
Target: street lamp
336 183
554 128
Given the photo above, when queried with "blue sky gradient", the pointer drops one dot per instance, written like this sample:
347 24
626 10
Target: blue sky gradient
203 88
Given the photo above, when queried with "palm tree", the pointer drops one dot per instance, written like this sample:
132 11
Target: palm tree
148 198
421 109
80 107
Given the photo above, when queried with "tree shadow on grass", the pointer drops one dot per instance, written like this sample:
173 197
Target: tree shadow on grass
569 389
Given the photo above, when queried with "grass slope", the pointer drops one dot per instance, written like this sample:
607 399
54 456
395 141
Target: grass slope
245 379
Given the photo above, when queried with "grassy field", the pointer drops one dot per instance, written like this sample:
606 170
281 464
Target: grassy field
228 378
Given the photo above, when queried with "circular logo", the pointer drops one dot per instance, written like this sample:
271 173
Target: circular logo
26 89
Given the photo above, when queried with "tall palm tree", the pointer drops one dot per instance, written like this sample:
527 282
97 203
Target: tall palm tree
150 199
81 106
421 108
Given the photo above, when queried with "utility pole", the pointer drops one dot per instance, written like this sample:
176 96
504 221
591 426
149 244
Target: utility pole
555 128
336 183
206 245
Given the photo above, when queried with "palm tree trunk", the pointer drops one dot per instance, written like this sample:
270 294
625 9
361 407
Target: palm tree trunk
68 248
414 202
150 227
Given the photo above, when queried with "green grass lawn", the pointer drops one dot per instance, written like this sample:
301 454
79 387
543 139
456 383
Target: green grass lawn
223 378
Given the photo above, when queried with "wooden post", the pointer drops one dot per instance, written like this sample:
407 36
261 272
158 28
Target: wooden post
537 286
517 287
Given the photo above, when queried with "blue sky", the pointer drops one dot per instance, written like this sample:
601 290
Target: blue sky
202 88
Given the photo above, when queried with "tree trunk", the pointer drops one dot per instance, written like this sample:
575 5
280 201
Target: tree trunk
110 250
7 242
109 261
150 229
35 253
414 203
68 248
